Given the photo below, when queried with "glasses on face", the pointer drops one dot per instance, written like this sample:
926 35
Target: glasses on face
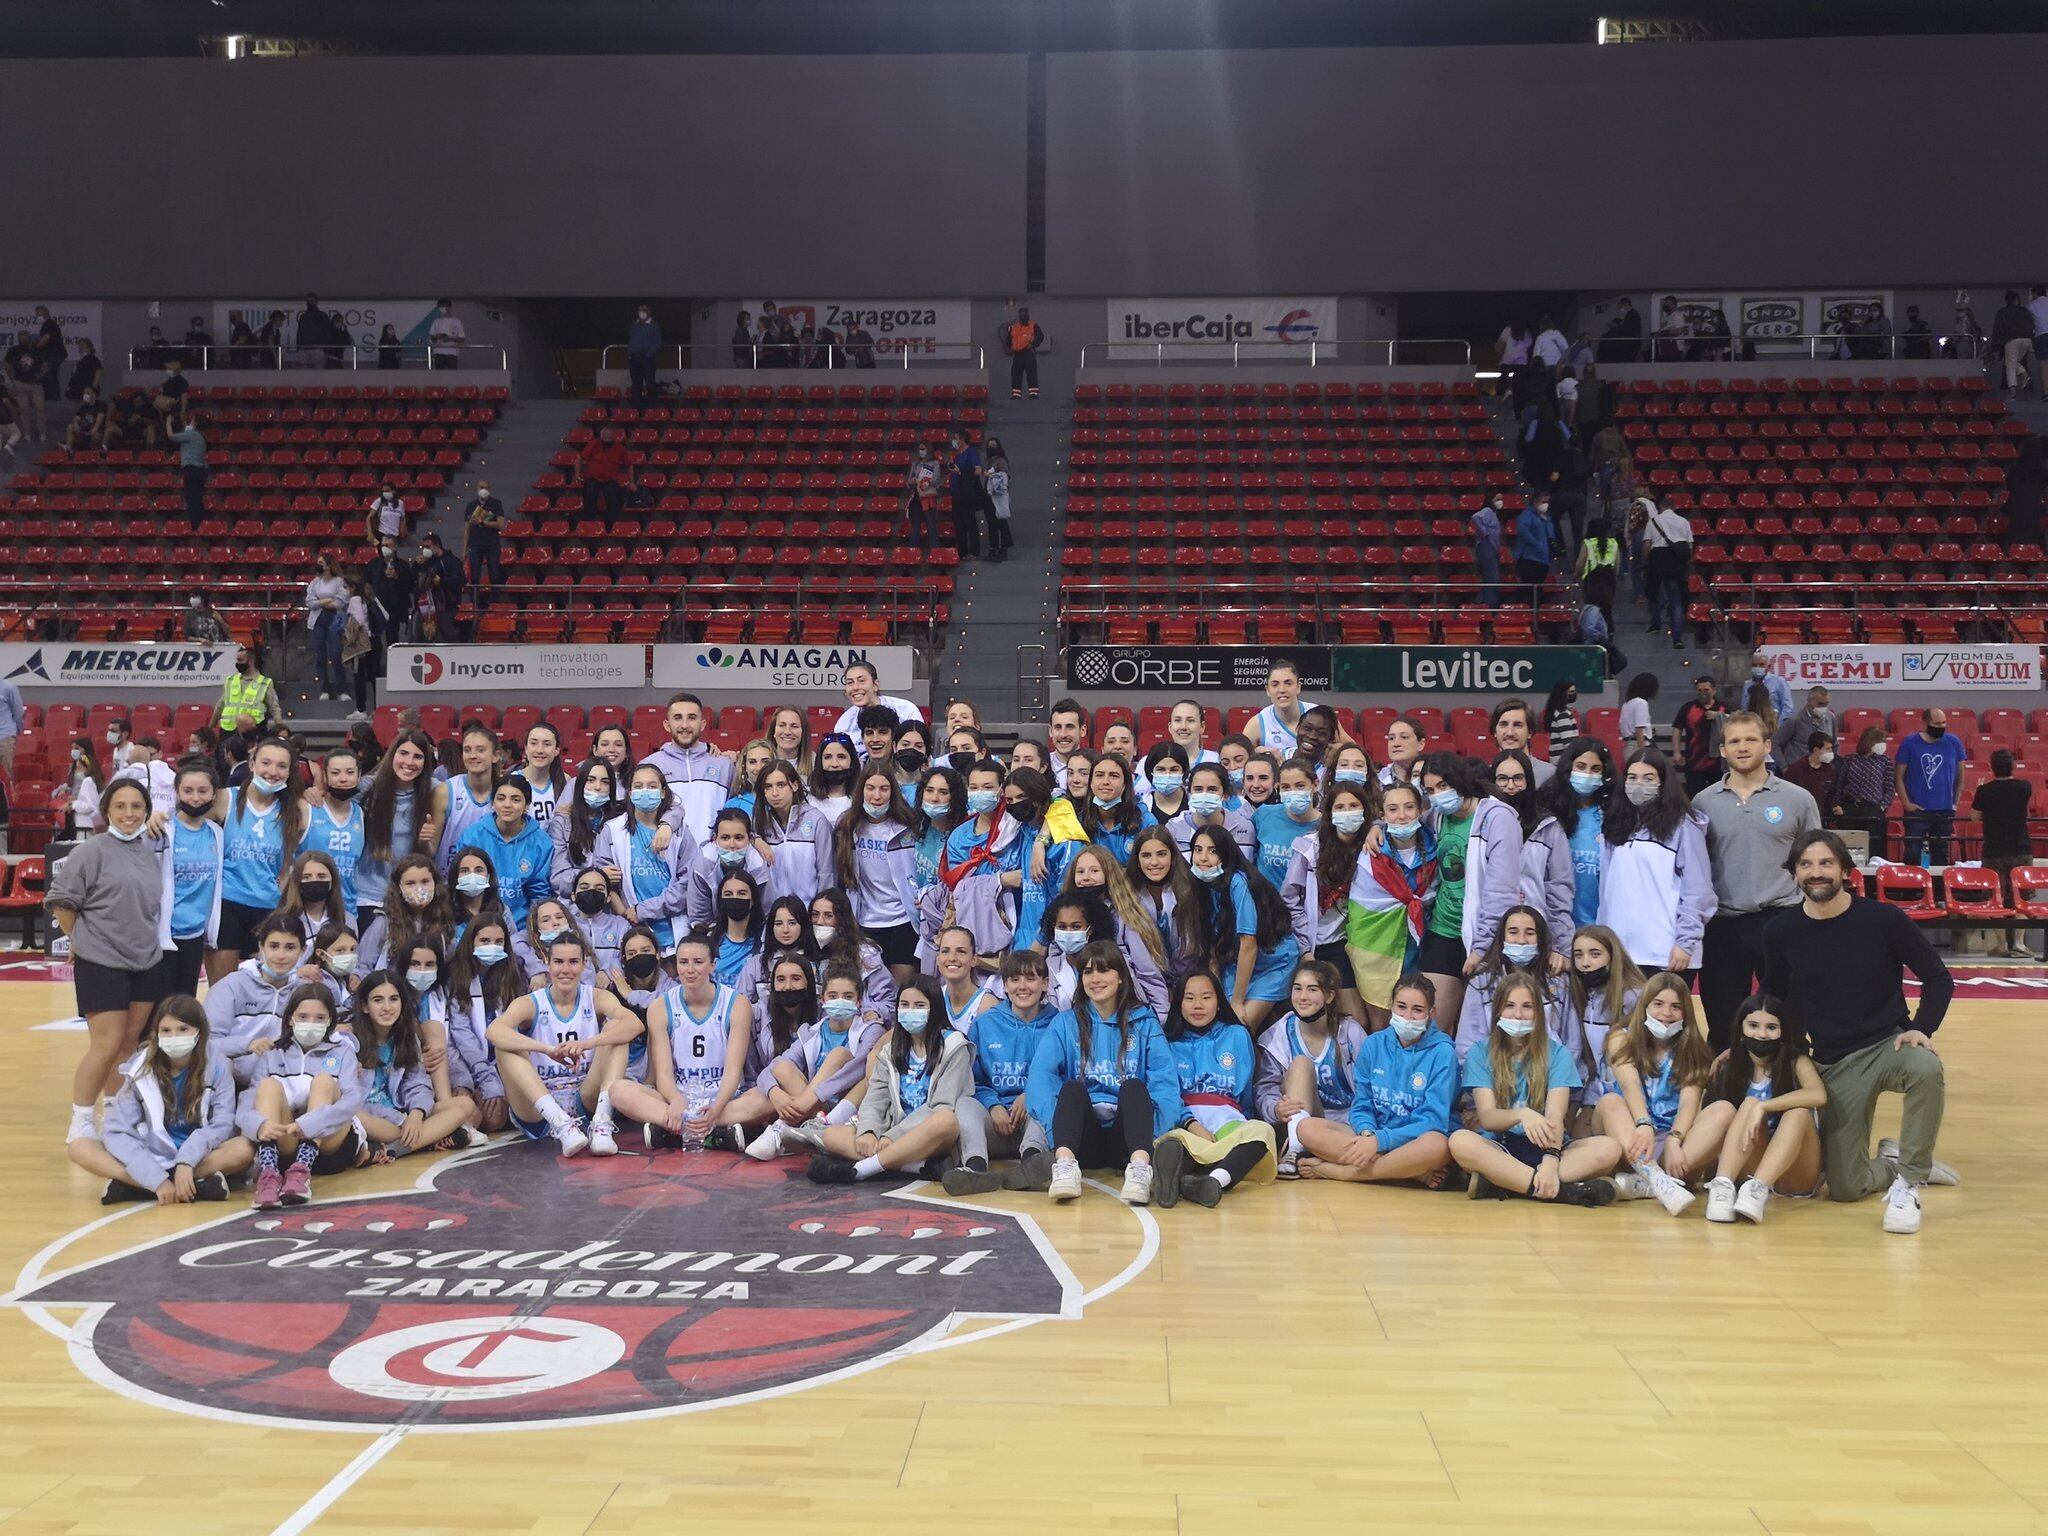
1510 781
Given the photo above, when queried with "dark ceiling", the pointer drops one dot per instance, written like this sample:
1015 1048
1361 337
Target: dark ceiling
157 28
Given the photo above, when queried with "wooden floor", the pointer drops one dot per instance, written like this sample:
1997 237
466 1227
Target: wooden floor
1306 1357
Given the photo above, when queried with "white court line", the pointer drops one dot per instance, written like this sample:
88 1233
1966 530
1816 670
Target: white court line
303 1517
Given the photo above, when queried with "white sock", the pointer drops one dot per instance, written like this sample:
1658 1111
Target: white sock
602 1115
1220 1174
869 1168
842 1112
552 1113
1294 1133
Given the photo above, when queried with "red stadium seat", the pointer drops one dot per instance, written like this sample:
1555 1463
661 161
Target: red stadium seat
1905 886
1974 894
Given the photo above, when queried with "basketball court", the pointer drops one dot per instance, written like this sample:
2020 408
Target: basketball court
496 1342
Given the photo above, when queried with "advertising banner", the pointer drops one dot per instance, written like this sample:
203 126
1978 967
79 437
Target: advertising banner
757 668
1527 670
1194 668
75 317
76 664
917 326
1197 328
506 668
1936 668
364 319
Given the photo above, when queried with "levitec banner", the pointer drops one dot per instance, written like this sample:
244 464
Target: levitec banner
501 668
1525 670
1935 668
75 317
753 668
364 319
73 664
1194 668
1241 327
921 327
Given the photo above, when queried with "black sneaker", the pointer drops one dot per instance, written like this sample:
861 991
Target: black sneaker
1198 1187
1454 1182
962 1180
827 1169
118 1192
1483 1188
659 1138
723 1138
1169 1163
1586 1192
213 1186
1033 1171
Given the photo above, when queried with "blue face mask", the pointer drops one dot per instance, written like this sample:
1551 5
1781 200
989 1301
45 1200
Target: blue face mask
839 1009
1107 805
732 858
911 1019
646 799
1236 776
981 801
1205 802
1408 1031
1519 954
938 810
1403 831
596 799
549 935
275 978
1351 775
419 981
472 885
1445 802
1588 783
268 786
125 837
1166 784
1207 876
1296 801
1515 1029
874 812
489 954
1069 940
1347 823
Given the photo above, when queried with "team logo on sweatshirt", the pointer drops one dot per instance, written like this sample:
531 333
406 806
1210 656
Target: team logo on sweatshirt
511 1288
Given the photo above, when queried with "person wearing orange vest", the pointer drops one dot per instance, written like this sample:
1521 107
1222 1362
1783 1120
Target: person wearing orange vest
1022 337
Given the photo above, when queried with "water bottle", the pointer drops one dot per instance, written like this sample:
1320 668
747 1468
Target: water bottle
697 1103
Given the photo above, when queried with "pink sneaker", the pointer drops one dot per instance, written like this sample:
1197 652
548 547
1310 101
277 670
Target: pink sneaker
298 1184
269 1190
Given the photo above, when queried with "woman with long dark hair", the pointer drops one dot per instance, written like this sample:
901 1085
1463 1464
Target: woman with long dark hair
1656 890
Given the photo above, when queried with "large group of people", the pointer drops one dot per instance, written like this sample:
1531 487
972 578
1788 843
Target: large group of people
1206 963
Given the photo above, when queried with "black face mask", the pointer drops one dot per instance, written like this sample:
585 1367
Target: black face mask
961 761
315 890
1595 980
833 778
1761 1048
735 909
909 759
590 903
1024 813
640 967
1936 732
786 999
200 809
342 794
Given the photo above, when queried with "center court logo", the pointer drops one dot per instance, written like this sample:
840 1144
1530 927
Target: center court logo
515 1289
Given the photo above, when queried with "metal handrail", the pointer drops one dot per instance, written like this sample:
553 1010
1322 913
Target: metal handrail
276 355
1815 348
691 606
969 353
1313 352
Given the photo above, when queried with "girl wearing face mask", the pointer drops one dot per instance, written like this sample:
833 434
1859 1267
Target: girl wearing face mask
473 893
419 908
1171 900
1549 882
309 894
577 829
1316 889
402 1110
170 1131
786 930
261 824
638 978
1762 1115
81 789
1224 1146
1659 1064
334 826
1137 930
1165 777
1521 1081
1072 923
482 979
874 860
1521 946
735 937
785 1001
1479 875
788 832
301 1106
698 1032
912 756
1291 816
1254 952
650 876
1581 796
1386 904
404 811
598 917
1399 1124
192 852
831 784
694 894
1657 890
424 973
1209 796
1305 1058
837 935
333 964
821 1077
908 1117
981 868
1601 988
548 921
938 801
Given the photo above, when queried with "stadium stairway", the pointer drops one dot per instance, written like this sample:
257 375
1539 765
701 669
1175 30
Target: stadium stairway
1000 607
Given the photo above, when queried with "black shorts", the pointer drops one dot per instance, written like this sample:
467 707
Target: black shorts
181 967
1525 1151
238 926
1334 953
1441 954
898 944
343 1157
106 989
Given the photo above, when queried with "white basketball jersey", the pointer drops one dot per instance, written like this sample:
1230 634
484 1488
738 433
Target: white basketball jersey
551 1027
697 1046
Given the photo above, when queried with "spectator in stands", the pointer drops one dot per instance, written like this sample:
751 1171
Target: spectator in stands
203 623
1715 341
171 390
643 353
1696 738
921 495
1532 546
1599 566
1668 342
1667 560
483 525
13 715
1930 767
808 353
182 430
78 792
440 580
1022 339
2037 306
2012 338
359 647
1512 348
242 351
603 473
1582 355
1793 730
860 346
2001 804
326 616
967 493
392 583
2026 480
1876 331
1775 687
198 344
248 699
120 742
1635 713
997 485
1917 339
317 335
445 337
1486 545
1549 347
87 373
1622 341
24 365
86 428
129 421
270 339
390 350
1815 770
386 518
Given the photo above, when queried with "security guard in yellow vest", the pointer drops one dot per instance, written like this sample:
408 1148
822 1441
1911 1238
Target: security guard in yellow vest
247 697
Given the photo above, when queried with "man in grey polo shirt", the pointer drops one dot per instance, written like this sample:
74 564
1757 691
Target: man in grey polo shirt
1753 818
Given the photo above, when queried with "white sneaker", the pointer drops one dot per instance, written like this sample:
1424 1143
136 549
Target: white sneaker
1289 1166
571 1136
1721 1199
1938 1172
1066 1180
767 1146
1631 1186
1671 1194
81 1127
467 1136
1137 1188
604 1140
1750 1203
810 1134
1901 1208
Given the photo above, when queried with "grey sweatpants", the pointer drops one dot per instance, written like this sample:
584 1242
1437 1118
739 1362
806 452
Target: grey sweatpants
980 1139
1853 1084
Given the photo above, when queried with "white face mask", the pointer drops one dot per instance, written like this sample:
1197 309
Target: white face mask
177 1047
1662 1030
309 1033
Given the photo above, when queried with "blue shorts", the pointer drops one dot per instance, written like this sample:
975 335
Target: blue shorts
1271 977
